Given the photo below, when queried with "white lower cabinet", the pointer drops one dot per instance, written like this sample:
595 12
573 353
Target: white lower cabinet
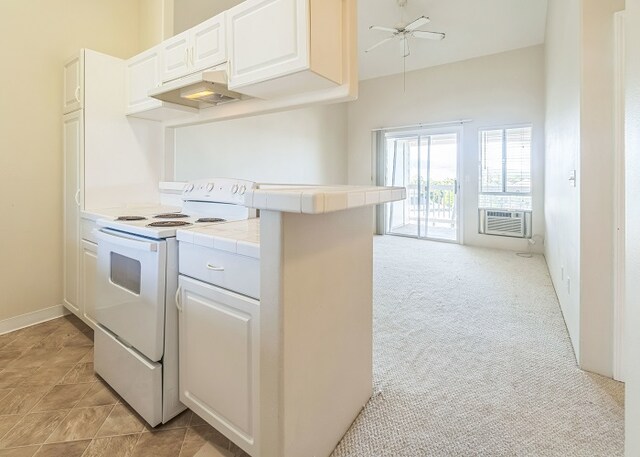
219 337
88 269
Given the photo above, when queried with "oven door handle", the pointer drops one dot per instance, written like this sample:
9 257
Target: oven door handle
125 241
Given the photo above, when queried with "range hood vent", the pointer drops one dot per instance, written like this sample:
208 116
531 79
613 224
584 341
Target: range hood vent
200 90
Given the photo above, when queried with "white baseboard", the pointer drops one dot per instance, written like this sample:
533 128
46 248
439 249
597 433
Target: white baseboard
28 319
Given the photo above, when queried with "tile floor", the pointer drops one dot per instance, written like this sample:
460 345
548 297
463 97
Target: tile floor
52 404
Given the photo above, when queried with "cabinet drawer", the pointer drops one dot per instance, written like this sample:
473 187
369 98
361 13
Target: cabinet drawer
230 271
86 230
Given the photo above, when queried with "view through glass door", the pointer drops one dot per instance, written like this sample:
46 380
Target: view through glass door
427 165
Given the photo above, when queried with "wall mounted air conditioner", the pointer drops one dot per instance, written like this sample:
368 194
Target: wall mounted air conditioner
500 222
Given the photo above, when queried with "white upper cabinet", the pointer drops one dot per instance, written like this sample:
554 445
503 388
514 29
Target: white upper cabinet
282 47
208 41
200 47
143 74
73 93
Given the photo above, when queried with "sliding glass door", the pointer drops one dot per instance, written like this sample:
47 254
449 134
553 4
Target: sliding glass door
426 164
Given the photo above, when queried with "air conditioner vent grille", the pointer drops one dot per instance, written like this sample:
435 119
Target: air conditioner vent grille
504 223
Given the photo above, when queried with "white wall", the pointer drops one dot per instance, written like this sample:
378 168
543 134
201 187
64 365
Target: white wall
580 136
496 90
562 126
632 150
302 146
188 13
37 38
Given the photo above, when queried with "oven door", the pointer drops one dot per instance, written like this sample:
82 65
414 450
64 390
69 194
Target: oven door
130 290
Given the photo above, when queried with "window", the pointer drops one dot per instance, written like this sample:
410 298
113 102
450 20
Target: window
505 168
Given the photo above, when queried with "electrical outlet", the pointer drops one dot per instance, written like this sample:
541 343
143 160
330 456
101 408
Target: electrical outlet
569 285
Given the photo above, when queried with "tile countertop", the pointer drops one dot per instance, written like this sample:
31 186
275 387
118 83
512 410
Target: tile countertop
319 199
238 237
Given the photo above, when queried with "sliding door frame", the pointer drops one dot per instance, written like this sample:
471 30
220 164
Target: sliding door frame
380 138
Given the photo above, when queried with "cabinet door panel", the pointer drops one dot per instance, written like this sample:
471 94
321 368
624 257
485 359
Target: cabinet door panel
175 61
209 43
267 39
89 268
143 74
72 94
73 146
219 338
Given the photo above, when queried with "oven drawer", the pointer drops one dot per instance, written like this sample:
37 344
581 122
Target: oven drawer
230 271
135 378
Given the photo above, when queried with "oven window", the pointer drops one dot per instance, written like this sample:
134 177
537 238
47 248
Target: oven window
125 272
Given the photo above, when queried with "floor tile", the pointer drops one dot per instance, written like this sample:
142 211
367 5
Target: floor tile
46 375
204 441
32 358
197 420
72 449
79 339
80 373
7 423
4 393
21 399
114 446
182 420
71 354
121 421
166 443
9 355
62 397
88 356
27 451
82 423
14 377
99 395
34 428
237 452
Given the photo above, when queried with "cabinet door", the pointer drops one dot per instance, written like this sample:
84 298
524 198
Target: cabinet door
175 57
72 94
88 270
267 39
143 74
219 359
208 43
73 147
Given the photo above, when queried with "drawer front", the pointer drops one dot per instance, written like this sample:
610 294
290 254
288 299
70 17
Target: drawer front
86 230
224 269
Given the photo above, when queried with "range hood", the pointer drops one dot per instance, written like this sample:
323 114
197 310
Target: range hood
199 90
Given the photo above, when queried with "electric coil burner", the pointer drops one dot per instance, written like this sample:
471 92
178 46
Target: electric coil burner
211 219
171 216
131 218
168 224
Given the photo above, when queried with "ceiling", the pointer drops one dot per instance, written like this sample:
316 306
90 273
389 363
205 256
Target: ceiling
473 28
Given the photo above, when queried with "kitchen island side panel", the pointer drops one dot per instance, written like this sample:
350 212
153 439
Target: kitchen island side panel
327 288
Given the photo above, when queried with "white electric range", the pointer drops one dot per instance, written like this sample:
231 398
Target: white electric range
136 340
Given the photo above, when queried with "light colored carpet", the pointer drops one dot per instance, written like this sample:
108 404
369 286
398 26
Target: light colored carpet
472 358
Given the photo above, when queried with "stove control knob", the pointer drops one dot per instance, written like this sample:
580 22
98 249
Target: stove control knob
210 187
189 187
242 190
234 189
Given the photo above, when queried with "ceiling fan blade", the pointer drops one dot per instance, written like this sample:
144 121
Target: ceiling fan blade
383 29
428 35
380 43
423 20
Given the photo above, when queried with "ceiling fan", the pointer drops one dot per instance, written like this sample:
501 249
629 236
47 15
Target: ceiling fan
406 31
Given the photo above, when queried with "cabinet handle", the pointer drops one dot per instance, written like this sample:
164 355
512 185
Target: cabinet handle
193 53
214 268
77 197
178 304
186 57
77 94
